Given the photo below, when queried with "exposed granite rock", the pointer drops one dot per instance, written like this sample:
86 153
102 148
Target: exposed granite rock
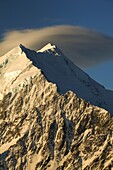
41 129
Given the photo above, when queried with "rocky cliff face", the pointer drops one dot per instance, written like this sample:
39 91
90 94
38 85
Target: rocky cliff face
42 129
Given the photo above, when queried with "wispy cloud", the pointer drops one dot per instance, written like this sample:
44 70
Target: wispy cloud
85 48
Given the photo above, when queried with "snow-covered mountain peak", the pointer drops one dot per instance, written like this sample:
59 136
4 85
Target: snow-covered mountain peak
43 128
57 69
49 46
51 49
16 51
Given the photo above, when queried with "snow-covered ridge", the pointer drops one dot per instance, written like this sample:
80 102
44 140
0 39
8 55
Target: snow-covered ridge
43 129
59 70
46 130
49 46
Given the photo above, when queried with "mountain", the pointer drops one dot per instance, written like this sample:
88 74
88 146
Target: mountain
57 69
49 114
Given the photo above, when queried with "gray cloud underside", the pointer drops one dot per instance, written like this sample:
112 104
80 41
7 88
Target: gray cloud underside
85 48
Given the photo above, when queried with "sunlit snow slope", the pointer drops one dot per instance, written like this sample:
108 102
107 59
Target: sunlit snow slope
57 69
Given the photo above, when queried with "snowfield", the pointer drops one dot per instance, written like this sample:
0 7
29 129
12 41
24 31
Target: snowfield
58 69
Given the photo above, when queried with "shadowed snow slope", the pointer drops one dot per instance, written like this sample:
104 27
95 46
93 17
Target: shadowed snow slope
43 129
57 69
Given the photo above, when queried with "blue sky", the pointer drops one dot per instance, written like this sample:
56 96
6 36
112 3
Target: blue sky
102 73
92 14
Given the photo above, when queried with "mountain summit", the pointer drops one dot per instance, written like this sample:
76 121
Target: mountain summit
47 47
49 114
58 70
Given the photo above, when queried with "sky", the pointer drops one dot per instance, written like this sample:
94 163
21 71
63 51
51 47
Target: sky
95 15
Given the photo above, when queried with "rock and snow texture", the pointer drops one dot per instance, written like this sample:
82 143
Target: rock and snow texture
43 128
57 69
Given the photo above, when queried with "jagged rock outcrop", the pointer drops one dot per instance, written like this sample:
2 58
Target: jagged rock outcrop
42 129
57 69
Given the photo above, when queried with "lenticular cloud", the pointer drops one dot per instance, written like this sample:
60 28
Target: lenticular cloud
84 47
